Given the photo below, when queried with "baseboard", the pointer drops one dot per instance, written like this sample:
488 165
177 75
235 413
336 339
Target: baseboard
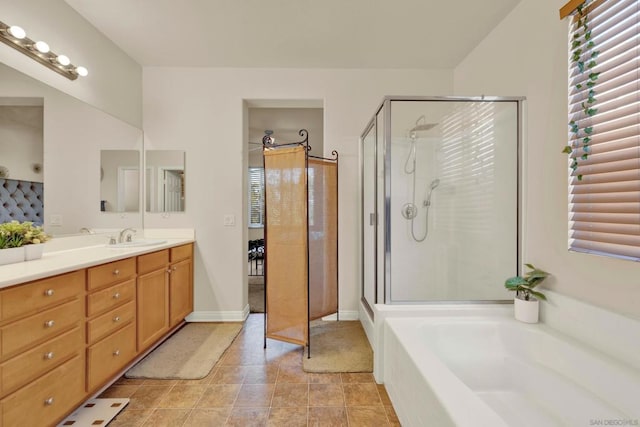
344 315
219 316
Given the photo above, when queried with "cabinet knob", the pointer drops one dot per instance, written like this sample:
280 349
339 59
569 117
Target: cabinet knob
116 272
116 319
49 324
48 401
116 295
169 270
49 355
116 353
175 268
49 292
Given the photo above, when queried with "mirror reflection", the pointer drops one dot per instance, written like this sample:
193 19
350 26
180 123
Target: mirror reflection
164 180
119 181
73 133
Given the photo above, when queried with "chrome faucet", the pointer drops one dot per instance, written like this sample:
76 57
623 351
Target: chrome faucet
87 230
124 233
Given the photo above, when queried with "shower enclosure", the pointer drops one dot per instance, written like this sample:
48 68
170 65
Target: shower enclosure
440 200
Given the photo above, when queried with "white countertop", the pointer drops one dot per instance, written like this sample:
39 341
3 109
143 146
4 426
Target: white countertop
57 262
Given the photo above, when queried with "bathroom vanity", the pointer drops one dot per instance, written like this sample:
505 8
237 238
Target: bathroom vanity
65 336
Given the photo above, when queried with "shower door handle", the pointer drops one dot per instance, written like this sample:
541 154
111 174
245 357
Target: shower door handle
372 219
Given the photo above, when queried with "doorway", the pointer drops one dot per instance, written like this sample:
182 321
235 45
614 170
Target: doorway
282 120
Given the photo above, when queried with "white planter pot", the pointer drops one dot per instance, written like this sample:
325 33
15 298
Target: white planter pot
11 255
526 311
33 252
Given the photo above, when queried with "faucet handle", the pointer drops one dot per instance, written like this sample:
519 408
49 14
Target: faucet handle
112 240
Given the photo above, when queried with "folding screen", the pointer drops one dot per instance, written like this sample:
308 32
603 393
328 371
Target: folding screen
301 239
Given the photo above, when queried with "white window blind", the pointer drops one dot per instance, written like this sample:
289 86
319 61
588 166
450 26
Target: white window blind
256 197
604 206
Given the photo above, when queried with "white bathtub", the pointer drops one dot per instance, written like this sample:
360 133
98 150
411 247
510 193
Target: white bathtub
483 371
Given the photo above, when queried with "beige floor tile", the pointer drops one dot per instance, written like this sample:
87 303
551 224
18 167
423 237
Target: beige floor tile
205 380
327 417
263 374
147 396
292 374
313 377
326 395
182 396
160 382
248 417
229 375
285 394
218 395
384 397
255 395
367 416
361 394
131 417
167 418
392 416
119 391
287 417
208 417
129 381
357 377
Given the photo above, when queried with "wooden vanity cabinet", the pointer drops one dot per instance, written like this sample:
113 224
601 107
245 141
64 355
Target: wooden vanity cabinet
180 283
42 363
152 297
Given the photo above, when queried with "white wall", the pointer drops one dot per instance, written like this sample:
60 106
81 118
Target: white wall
527 55
114 83
202 111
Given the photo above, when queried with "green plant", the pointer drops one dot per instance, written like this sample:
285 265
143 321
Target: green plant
15 234
525 284
583 57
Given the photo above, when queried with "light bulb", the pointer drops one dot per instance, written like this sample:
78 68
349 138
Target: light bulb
17 32
82 71
42 47
63 60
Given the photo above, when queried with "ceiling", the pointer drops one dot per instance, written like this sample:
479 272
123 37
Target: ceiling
296 33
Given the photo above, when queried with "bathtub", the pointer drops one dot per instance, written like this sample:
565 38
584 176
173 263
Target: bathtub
495 371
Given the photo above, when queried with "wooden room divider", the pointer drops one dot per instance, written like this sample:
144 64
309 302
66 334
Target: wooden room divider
301 239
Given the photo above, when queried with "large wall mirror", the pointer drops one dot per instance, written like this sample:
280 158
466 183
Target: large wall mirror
73 136
164 180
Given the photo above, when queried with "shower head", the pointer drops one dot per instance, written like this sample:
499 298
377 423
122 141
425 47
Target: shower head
435 183
424 126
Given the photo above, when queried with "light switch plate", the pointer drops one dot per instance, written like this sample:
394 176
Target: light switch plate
229 220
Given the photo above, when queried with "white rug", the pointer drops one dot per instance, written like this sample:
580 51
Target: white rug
189 354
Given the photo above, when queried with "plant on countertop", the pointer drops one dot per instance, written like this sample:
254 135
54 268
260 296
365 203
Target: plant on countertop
15 234
525 284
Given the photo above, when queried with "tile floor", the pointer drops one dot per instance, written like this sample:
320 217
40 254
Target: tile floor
251 386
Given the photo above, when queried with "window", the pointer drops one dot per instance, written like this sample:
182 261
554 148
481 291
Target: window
256 197
604 189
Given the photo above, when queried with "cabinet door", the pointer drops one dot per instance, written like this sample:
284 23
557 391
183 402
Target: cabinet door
153 307
181 291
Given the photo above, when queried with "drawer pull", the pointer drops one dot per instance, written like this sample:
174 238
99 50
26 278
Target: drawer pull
116 295
169 270
49 292
116 272
49 324
49 355
116 319
48 401
116 353
175 268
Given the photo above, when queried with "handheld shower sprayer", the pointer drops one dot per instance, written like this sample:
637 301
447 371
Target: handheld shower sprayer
433 186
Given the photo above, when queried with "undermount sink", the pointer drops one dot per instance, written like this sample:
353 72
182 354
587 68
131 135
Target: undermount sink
138 242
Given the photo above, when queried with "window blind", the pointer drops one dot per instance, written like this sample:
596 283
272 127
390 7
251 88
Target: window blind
256 197
604 206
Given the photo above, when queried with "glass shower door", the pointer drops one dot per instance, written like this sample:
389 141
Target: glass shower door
369 216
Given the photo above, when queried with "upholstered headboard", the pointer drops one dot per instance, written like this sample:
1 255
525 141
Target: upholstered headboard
21 200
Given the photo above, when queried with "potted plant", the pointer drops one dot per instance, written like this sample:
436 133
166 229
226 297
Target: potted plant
526 301
20 241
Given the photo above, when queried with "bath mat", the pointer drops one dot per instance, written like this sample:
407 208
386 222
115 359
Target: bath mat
338 347
95 412
189 354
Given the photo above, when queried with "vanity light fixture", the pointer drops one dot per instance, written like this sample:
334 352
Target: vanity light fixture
39 51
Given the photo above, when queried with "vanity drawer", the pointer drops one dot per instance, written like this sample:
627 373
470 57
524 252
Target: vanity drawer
111 273
181 252
153 261
25 299
46 400
103 325
18 335
35 362
106 299
108 356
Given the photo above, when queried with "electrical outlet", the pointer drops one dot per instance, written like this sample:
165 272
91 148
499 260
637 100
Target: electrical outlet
55 220
229 220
